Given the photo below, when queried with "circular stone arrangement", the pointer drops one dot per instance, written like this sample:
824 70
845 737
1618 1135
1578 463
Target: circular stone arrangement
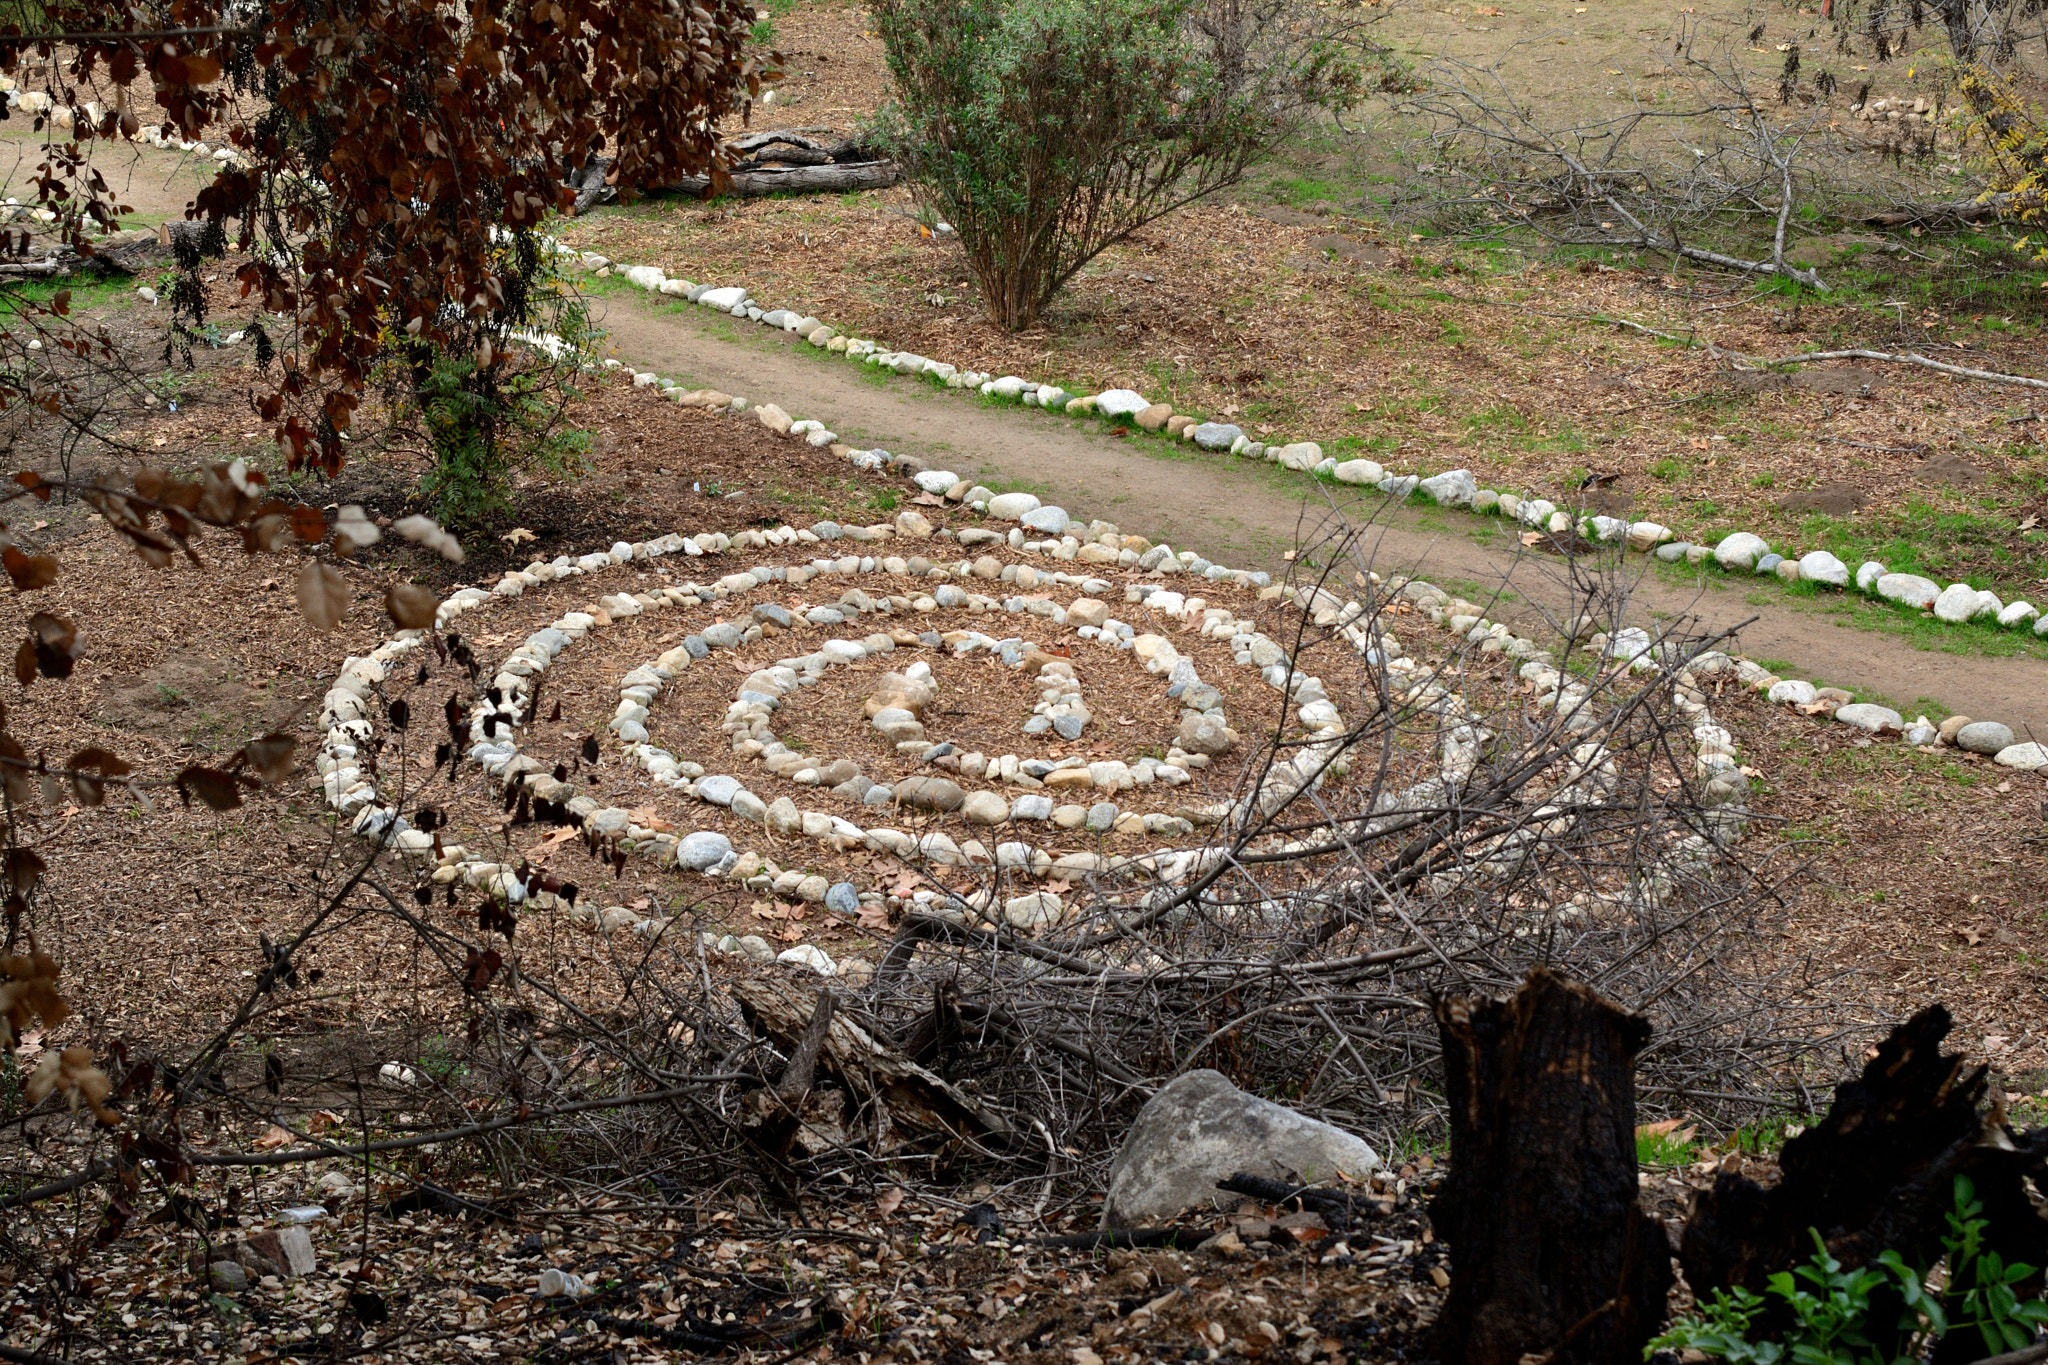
1032 799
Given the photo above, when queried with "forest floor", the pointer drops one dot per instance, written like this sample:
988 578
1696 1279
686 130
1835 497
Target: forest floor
1922 884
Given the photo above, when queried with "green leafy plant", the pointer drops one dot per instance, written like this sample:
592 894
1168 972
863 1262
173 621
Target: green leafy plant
1046 132
487 417
1830 1306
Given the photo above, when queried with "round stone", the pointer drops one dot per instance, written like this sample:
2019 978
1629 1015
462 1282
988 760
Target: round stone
1032 910
2029 757
1878 720
1984 737
1741 551
1822 567
1102 815
984 808
702 850
718 789
931 793
1907 589
1010 506
1031 806
1053 521
843 899
1955 603
1793 692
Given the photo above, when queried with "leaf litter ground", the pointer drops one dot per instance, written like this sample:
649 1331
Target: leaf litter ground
158 916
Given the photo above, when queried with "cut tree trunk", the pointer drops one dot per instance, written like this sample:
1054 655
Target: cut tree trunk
1878 1173
1550 1252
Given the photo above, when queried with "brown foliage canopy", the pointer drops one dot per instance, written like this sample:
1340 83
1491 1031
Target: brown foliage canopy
396 154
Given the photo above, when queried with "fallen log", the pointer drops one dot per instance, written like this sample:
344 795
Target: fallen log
1551 1254
1989 208
833 179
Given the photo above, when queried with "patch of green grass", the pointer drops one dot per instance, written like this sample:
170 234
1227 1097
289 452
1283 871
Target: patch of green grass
763 34
1677 1148
87 292
1769 1134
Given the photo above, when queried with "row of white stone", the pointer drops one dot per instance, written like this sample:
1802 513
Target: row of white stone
1459 744
1739 552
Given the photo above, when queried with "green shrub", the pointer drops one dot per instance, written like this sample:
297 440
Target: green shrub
1046 131
488 417
1830 1307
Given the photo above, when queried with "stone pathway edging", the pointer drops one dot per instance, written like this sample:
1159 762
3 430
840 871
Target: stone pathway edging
1739 552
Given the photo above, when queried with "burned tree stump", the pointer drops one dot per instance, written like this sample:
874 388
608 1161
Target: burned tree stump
1878 1173
1550 1252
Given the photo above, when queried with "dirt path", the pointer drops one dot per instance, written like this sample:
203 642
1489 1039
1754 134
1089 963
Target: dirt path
1246 515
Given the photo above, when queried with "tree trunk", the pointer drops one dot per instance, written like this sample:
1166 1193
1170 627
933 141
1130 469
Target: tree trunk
1877 1173
1550 1252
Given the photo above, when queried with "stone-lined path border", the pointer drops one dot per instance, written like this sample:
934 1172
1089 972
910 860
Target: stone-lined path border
1741 552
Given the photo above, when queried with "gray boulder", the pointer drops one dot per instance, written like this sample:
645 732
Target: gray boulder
1984 737
1201 1129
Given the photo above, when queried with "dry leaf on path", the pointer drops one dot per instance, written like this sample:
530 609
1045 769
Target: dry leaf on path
411 606
352 525
322 594
423 531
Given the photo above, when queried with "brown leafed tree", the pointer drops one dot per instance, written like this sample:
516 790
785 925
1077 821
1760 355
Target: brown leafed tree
395 157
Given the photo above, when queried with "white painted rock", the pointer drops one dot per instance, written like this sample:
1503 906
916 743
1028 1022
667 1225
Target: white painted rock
1822 567
1358 471
1741 551
1011 506
2017 614
1643 535
1909 589
1452 488
1956 603
728 297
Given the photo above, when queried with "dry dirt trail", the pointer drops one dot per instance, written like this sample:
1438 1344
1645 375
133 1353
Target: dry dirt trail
1244 515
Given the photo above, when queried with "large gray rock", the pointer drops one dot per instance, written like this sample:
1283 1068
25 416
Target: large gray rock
1984 737
1201 1129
